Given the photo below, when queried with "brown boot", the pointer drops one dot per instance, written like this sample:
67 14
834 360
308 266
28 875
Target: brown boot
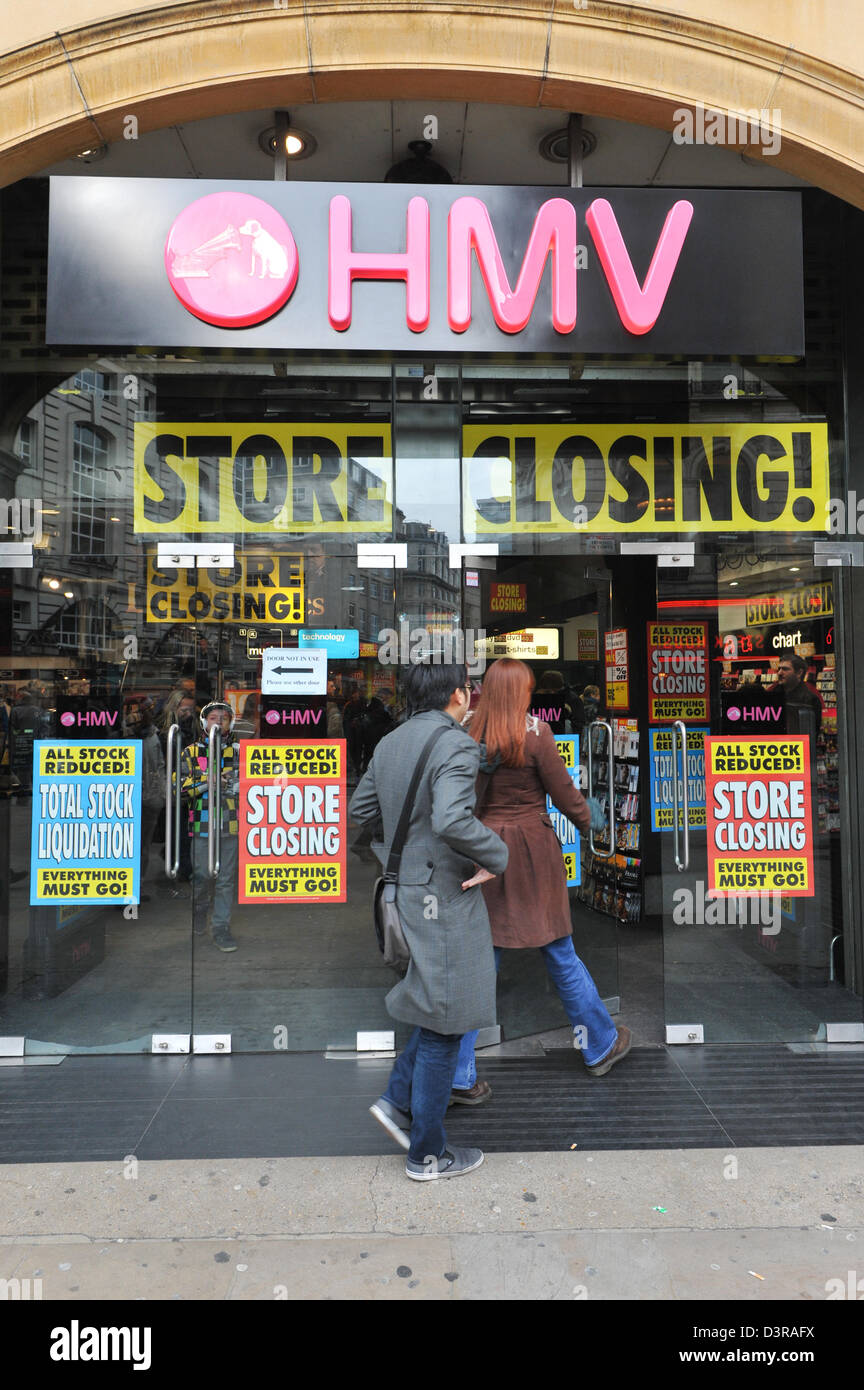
619 1050
481 1091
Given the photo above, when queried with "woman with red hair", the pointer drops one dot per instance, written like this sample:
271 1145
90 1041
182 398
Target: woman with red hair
528 904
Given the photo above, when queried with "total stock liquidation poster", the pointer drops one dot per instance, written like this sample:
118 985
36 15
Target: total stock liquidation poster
292 821
86 822
760 821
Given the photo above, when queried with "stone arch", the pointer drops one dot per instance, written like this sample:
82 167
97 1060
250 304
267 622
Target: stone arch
636 62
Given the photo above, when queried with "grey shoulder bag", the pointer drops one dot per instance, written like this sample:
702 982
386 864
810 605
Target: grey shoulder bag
389 929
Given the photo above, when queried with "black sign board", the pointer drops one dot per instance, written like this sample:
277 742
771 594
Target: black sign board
181 263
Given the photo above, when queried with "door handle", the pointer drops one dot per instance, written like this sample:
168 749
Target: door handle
173 802
679 730
214 799
610 782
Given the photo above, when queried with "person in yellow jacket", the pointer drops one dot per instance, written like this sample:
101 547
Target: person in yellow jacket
193 774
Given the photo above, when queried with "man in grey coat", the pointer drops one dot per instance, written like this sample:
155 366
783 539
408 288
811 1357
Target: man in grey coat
450 985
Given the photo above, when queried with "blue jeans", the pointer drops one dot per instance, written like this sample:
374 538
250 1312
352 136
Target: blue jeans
223 888
420 1085
582 1004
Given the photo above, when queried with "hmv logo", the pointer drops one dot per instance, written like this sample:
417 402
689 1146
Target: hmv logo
233 260
765 713
294 716
92 719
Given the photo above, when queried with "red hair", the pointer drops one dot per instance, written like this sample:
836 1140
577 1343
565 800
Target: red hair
499 719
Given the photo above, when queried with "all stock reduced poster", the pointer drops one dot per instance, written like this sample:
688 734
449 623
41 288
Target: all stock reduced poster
292 821
677 672
760 822
568 835
662 790
86 822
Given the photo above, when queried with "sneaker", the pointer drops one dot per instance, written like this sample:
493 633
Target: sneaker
199 928
224 940
452 1164
396 1122
620 1049
480 1092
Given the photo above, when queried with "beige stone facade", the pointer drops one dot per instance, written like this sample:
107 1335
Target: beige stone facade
166 62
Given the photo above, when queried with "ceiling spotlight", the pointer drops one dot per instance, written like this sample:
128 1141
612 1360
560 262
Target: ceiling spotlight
92 154
67 593
556 146
53 583
299 144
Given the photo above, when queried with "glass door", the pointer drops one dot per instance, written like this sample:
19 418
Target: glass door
552 611
746 717
292 966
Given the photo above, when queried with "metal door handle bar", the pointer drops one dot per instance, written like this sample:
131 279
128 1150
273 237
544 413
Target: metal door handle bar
214 799
173 802
610 780
679 731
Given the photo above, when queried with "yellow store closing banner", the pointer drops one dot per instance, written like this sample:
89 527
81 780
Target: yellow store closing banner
258 588
192 479
597 478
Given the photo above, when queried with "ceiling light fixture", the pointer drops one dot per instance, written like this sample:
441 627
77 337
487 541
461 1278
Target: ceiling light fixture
299 144
93 154
555 147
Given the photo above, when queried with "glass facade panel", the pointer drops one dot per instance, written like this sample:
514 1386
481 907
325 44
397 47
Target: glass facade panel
188 513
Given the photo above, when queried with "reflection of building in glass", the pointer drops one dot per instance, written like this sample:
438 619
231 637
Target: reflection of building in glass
72 458
430 589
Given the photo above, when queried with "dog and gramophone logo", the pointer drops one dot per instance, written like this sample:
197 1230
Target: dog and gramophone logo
231 259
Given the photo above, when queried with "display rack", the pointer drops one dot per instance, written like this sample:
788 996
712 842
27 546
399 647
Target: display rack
613 886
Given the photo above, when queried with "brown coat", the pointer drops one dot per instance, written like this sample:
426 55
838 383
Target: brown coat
528 903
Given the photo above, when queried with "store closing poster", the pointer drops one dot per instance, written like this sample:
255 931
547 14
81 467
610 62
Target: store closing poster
293 821
760 821
677 672
86 822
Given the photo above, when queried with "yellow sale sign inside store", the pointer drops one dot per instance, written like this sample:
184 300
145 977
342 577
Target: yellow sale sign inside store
598 478
257 588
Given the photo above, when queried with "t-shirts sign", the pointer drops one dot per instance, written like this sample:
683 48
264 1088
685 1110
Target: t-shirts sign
293 821
677 672
760 822
86 822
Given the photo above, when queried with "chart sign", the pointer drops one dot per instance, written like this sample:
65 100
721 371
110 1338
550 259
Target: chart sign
662 790
760 822
293 821
86 822
568 747
677 672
